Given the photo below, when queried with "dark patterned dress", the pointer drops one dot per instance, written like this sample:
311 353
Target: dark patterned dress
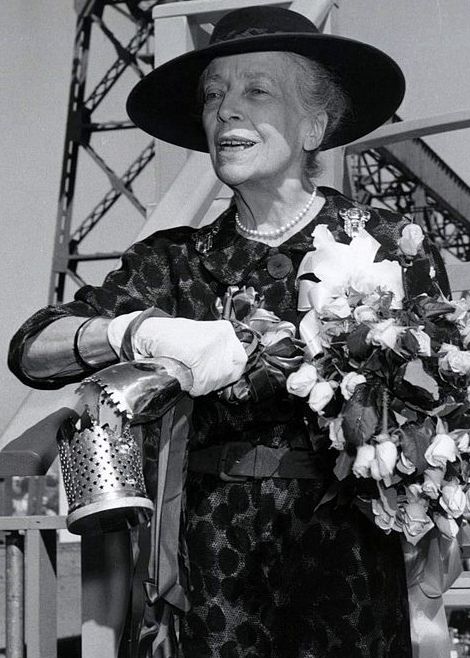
271 576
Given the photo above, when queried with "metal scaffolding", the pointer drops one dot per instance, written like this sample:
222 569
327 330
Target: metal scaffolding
135 54
411 178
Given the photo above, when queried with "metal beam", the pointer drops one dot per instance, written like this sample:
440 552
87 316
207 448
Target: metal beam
405 130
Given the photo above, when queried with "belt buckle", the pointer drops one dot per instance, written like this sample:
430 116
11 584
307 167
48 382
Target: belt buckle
225 477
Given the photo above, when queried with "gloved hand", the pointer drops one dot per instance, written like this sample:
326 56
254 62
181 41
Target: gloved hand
210 349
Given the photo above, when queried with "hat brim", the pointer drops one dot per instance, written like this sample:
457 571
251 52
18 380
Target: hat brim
164 103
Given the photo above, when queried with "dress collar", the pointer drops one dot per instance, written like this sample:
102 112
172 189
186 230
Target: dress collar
230 257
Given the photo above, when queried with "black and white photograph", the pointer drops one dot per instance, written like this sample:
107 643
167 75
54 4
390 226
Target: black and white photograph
235 337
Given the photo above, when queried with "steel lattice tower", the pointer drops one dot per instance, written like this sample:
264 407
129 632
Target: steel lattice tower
93 15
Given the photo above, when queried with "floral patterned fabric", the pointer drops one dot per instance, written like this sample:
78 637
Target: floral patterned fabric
270 578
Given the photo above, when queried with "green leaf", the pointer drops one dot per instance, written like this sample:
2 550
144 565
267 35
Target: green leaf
409 343
356 343
416 376
415 439
343 466
413 383
360 415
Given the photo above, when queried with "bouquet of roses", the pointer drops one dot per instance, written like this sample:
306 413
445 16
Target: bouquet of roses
387 369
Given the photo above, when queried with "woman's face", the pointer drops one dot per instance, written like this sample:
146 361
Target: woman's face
255 126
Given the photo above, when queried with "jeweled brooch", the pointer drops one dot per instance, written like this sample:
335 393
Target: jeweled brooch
354 220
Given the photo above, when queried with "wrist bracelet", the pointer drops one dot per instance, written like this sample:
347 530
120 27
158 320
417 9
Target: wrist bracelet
76 345
95 356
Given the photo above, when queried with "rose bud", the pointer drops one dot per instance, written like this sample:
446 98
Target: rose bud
320 395
441 450
365 456
411 239
385 334
453 500
386 454
349 383
302 381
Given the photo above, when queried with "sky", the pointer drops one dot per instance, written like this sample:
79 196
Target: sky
428 38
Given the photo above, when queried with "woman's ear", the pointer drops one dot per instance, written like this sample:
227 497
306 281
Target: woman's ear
314 137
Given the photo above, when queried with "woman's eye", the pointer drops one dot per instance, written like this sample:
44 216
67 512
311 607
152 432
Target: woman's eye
212 95
257 91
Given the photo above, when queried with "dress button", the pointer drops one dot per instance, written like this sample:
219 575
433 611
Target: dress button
279 266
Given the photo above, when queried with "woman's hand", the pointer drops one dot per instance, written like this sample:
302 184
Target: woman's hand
210 349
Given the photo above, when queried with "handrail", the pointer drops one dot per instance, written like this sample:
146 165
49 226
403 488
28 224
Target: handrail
31 547
33 452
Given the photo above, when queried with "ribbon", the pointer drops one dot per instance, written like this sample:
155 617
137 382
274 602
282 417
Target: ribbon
432 565
166 586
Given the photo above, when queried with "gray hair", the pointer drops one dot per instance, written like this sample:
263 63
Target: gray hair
318 89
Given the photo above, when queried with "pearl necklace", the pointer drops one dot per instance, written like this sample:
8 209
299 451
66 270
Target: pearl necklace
276 233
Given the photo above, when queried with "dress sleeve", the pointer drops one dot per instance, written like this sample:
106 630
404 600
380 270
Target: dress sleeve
145 278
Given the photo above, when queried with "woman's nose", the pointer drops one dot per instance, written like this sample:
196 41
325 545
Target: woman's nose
230 108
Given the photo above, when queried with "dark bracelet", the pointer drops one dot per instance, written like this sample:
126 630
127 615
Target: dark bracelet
93 354
76 346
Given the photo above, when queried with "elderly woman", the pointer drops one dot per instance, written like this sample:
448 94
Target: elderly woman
272 574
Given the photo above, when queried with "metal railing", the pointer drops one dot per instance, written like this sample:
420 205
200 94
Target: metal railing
30 546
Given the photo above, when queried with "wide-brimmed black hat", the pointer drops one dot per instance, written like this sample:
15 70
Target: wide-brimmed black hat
165 102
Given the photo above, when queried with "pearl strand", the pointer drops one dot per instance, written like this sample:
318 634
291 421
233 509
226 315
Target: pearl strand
276 233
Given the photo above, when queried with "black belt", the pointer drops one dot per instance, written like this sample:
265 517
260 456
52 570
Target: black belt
237 461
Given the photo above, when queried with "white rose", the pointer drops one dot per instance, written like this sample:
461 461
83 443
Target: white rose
302 381
364 457
433 478
411 239
384 334
444 352
320 395
386 455
453 500
423 340
448 527
441 450
459 362
364 313
349 383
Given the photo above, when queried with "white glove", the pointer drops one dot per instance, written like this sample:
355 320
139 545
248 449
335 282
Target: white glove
210 349
117 329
